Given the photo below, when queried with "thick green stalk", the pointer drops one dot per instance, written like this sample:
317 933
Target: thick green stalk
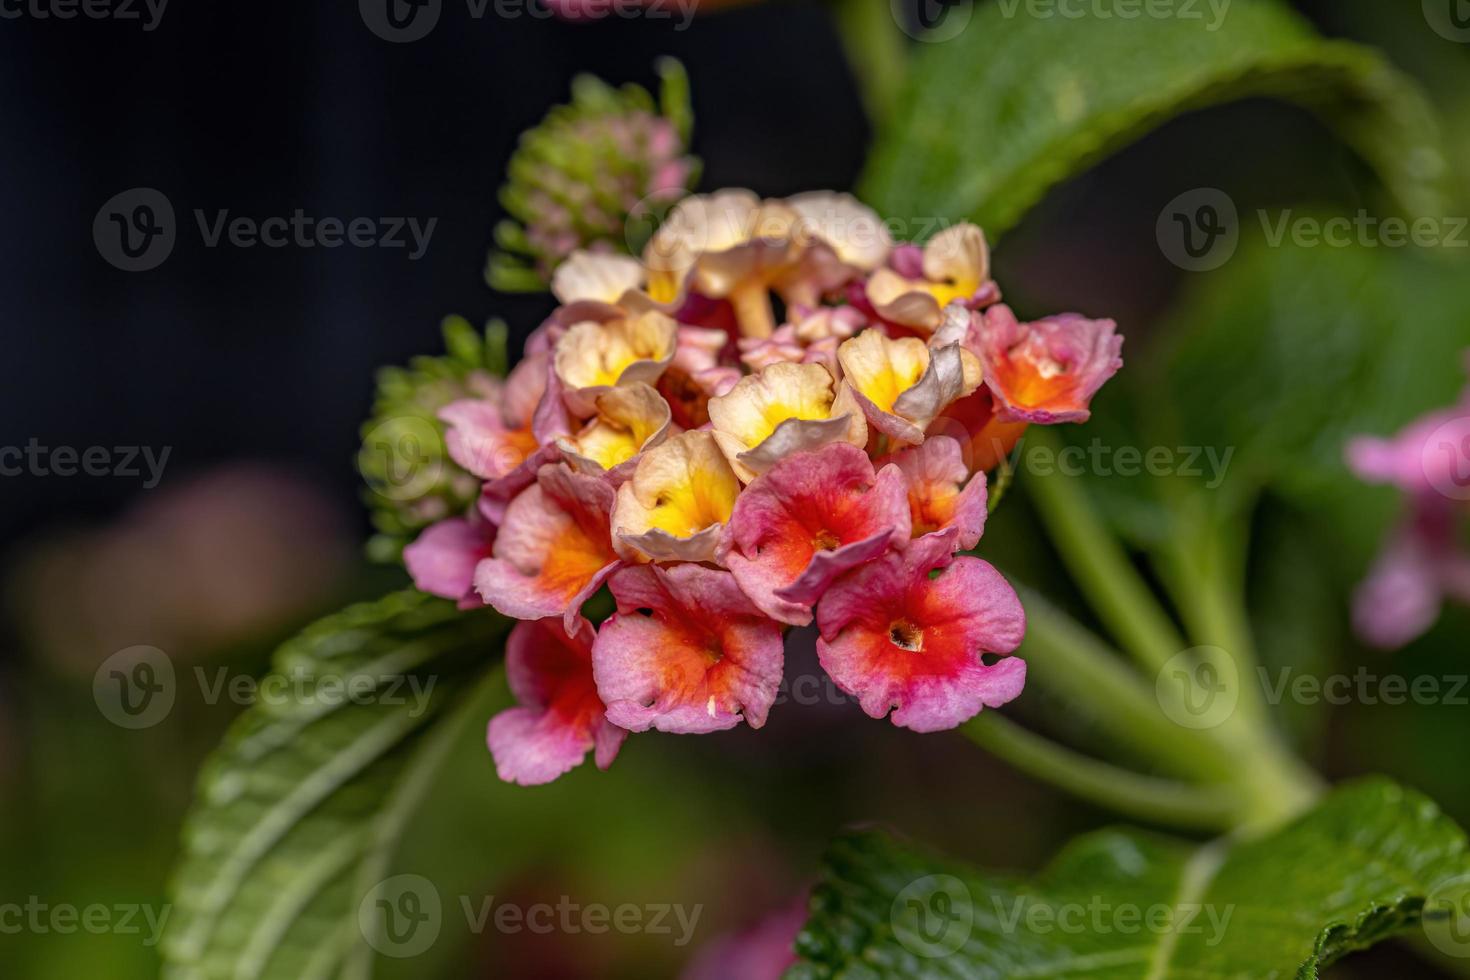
1100 566
1068 660
1144 797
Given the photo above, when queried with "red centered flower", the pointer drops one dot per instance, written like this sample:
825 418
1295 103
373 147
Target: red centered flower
810 518
560 717
896 638
685 652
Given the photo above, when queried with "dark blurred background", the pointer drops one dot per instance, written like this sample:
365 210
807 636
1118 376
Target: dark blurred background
253 368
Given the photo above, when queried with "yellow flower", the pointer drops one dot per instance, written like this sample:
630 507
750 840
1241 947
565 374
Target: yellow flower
956 266
677 501
592 357
629 420
903 384
726 245
783 409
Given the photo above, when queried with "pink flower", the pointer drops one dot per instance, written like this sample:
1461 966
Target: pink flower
1045 372
1421 566
1424 561
1422 458
811 517
686 651
492 436
560 717
553 550
762 952
939 495
896 638
443 558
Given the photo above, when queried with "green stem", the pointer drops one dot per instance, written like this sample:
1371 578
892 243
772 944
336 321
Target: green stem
1207 587
1100 566
876 52
1144 797
1067 659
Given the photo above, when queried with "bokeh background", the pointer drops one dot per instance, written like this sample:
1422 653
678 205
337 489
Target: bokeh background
253 369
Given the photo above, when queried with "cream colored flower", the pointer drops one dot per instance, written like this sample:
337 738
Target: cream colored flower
592 357
601 278
853 231
726 245
630 419
676 503
955 266
784 409
903 384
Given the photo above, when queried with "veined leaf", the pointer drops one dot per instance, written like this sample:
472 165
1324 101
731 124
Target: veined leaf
299 809
1124 904
1016 103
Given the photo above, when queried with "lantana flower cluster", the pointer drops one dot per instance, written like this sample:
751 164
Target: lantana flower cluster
777 416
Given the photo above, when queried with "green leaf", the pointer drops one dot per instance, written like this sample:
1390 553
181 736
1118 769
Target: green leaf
1351 872
1016 103
299 810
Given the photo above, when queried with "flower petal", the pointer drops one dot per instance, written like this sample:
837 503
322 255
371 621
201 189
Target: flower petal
629 419
685 652
553 549
1045 372
939 496
785 408
595 277
676 502
592 357
902 384
560 717
810 518
479 439
854 232
895 638
442 559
